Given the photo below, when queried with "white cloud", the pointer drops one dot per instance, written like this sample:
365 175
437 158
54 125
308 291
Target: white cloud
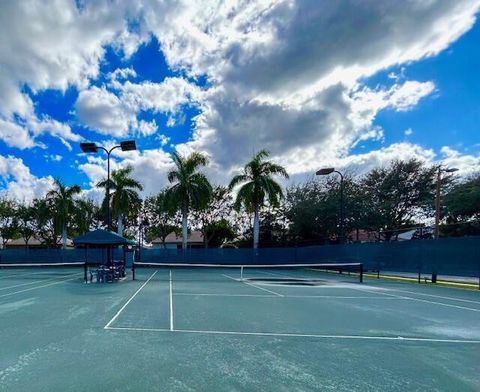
466 164
408 131
19 183
115 112
25 134
121 74
163 140
288 76
15 135
104 112
280 48
406 96
284 75
150 167
54 46
53 157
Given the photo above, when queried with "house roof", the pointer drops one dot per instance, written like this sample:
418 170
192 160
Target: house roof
193 237
101 237
33 241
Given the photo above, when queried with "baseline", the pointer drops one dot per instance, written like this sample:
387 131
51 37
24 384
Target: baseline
300 335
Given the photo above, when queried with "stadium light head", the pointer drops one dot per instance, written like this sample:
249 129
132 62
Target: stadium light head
89 147
450 170
326 171
128 145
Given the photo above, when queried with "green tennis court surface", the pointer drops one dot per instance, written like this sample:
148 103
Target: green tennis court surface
190 329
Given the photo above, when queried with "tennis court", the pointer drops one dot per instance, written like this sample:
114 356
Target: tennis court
190 328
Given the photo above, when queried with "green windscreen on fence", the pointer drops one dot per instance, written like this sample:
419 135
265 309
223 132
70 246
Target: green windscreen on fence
42 256
446 256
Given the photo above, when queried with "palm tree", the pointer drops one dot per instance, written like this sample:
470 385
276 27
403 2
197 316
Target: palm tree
62 199
258 185
125 196
190 188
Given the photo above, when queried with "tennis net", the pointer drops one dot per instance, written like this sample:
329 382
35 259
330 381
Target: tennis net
301 274
37 270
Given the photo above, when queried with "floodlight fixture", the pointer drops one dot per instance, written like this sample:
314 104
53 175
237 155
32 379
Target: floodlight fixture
325 171
450 170
128 145
89 147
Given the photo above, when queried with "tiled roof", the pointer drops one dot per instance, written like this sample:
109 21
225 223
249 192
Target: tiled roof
172 238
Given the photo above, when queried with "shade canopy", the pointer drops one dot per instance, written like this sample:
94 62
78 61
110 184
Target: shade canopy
102 237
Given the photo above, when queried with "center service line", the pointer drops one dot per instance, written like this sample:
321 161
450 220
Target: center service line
130 300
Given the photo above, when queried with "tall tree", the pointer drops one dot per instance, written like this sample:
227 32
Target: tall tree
257 187
46 221
462 208
8 221
190 190
86 216
62 198
125 199
26 222
161 219
398 194
313 209
213 220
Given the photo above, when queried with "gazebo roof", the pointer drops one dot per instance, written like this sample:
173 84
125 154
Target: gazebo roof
102 237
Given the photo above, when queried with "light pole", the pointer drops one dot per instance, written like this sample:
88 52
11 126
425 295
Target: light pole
326 172
437 197
90 147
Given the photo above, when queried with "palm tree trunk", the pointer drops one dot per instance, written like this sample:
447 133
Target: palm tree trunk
184 229
64 236
120 224
256 227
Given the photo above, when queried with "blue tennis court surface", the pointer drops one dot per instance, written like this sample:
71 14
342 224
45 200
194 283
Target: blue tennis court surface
196 329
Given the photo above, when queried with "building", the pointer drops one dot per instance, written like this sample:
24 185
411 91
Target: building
173 241
33 243
363 236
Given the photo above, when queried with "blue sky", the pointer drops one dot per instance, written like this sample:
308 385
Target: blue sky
386 82
451 116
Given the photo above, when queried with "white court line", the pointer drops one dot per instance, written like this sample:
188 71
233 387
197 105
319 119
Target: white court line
23 274
171 302
301 335
34 282
420 300
131 298
251 284
438 296
227 295
287 296
38 287
346 297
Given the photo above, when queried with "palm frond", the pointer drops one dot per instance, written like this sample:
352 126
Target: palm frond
238 179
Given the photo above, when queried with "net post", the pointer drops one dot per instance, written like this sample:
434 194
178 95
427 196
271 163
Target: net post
241 272
85 272
133 270
361 273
